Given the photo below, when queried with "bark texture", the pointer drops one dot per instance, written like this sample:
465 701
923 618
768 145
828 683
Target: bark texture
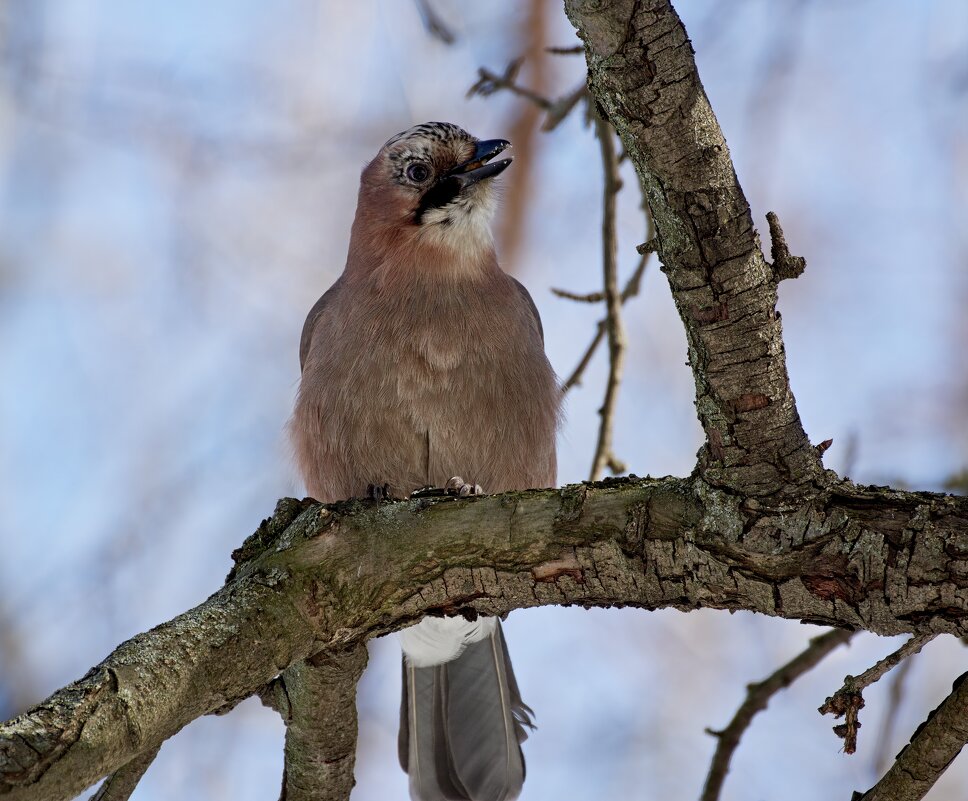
321 578
642 74
321 724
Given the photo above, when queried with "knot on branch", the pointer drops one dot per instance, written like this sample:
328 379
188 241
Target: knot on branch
270 529
785 265
845 703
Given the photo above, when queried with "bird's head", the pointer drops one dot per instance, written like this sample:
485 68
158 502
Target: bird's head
432 186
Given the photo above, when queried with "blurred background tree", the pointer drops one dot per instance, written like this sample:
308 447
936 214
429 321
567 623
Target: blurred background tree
177 183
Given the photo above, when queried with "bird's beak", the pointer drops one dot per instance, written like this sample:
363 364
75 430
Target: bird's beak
480 165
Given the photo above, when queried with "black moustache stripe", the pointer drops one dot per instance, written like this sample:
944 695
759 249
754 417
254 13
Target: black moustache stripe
438 196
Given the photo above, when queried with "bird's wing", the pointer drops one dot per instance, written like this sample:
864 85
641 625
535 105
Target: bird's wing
317 311
534 309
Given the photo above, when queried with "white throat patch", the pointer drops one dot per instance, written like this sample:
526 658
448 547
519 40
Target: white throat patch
463 226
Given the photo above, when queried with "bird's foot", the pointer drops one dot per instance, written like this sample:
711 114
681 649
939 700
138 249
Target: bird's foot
457 486
454 486
380 492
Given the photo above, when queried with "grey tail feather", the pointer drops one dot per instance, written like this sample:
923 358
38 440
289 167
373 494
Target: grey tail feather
461 726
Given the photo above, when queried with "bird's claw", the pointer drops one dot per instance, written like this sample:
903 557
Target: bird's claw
457 486
379 492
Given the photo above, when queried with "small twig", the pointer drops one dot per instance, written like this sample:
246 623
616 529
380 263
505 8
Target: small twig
489 82
434 25
562 107
894 698
757 697
575 378
784 264
849 699
588 297
933 746
121 784
634 284
850 454
573 50
631 290
614 328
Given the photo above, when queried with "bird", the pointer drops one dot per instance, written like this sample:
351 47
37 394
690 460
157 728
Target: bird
424 366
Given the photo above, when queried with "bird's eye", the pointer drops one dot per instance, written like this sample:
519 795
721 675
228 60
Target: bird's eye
418 173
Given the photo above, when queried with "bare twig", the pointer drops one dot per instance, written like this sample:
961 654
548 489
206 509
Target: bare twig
851 452
489 82
849 699
435 26
934 745
631 290
562 107
614 328
523 130
575 378
895 696
121 784
574 50
757 697
588 297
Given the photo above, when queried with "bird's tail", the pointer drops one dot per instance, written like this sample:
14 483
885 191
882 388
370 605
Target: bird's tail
462 724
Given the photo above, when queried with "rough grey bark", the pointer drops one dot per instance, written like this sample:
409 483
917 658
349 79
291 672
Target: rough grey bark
321 724
642 73
760 526
932 749
317 578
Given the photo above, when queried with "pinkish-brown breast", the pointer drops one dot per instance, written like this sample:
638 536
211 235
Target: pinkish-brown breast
411 382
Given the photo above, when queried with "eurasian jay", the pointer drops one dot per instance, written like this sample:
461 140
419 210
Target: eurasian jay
424 365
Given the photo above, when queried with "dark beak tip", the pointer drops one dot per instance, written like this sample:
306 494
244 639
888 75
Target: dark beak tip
489 148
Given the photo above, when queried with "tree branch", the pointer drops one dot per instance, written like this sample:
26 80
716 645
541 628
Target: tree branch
642 74
849 699
631 290
321 725
321 578
933 747
760 526
885 734
757 697
614 327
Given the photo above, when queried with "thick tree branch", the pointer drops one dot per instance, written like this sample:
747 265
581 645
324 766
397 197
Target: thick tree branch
322 578
642 74
321 724
932 749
